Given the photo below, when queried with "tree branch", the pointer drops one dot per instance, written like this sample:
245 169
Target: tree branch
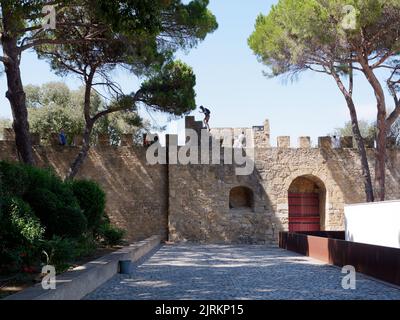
136 98
396 112
382 60
40 42
6 60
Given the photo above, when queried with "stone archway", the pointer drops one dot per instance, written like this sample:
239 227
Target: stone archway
307 202
241 198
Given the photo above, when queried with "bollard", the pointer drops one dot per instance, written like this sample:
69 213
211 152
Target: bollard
125 267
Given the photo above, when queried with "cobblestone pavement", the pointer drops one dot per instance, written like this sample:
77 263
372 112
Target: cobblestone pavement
211 272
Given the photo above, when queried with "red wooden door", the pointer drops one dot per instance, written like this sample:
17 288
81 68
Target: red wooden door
304 214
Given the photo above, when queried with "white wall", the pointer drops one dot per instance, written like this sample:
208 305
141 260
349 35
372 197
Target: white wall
376 223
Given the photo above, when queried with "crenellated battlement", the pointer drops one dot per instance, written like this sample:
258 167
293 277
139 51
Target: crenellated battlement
257 137
261 138
126 140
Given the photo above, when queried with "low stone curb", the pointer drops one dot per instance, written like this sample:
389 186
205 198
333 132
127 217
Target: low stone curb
77 283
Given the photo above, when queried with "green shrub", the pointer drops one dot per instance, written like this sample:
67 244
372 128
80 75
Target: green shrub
41 213
111 235
46 179
40 178
24 222
45 204
92 200
58 218
20 235
59 252
86 246
14 178
11 259
20 179
71 222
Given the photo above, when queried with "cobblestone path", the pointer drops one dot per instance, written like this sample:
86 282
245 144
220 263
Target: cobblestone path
211 272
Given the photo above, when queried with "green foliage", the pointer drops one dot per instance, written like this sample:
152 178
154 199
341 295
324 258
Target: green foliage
4 124
367 129
171 90
54 106
85 246
59 252
111 235
43 213
24 222
20 234
117 124
142 36
45 205
298 34
71 222
91 199
60 218
14 178
187 23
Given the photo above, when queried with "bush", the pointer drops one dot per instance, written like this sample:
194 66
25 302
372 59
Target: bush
45 204
46 179
71 222
86 246
14 178
24 222
41 213
19 179
59 252
58 219
111 235
20 235
92 200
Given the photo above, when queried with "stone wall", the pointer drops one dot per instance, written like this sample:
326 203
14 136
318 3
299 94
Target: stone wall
199 206
136 192
191 202
199 194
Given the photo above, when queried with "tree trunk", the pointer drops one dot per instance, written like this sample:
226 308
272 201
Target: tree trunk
366 172
382 128
17 98
89 123
80 159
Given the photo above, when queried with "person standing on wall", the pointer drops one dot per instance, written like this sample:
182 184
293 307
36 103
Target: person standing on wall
242 140
336 142
207 114
62 138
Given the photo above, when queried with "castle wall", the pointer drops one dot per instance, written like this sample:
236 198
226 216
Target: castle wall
191 202
199 194
136 192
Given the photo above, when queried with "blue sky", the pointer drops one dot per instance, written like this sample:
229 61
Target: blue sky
230 82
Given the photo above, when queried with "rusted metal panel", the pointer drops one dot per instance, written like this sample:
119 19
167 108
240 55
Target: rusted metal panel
318 248
379 262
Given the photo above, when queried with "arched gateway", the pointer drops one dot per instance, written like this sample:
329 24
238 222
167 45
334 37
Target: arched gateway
307 197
